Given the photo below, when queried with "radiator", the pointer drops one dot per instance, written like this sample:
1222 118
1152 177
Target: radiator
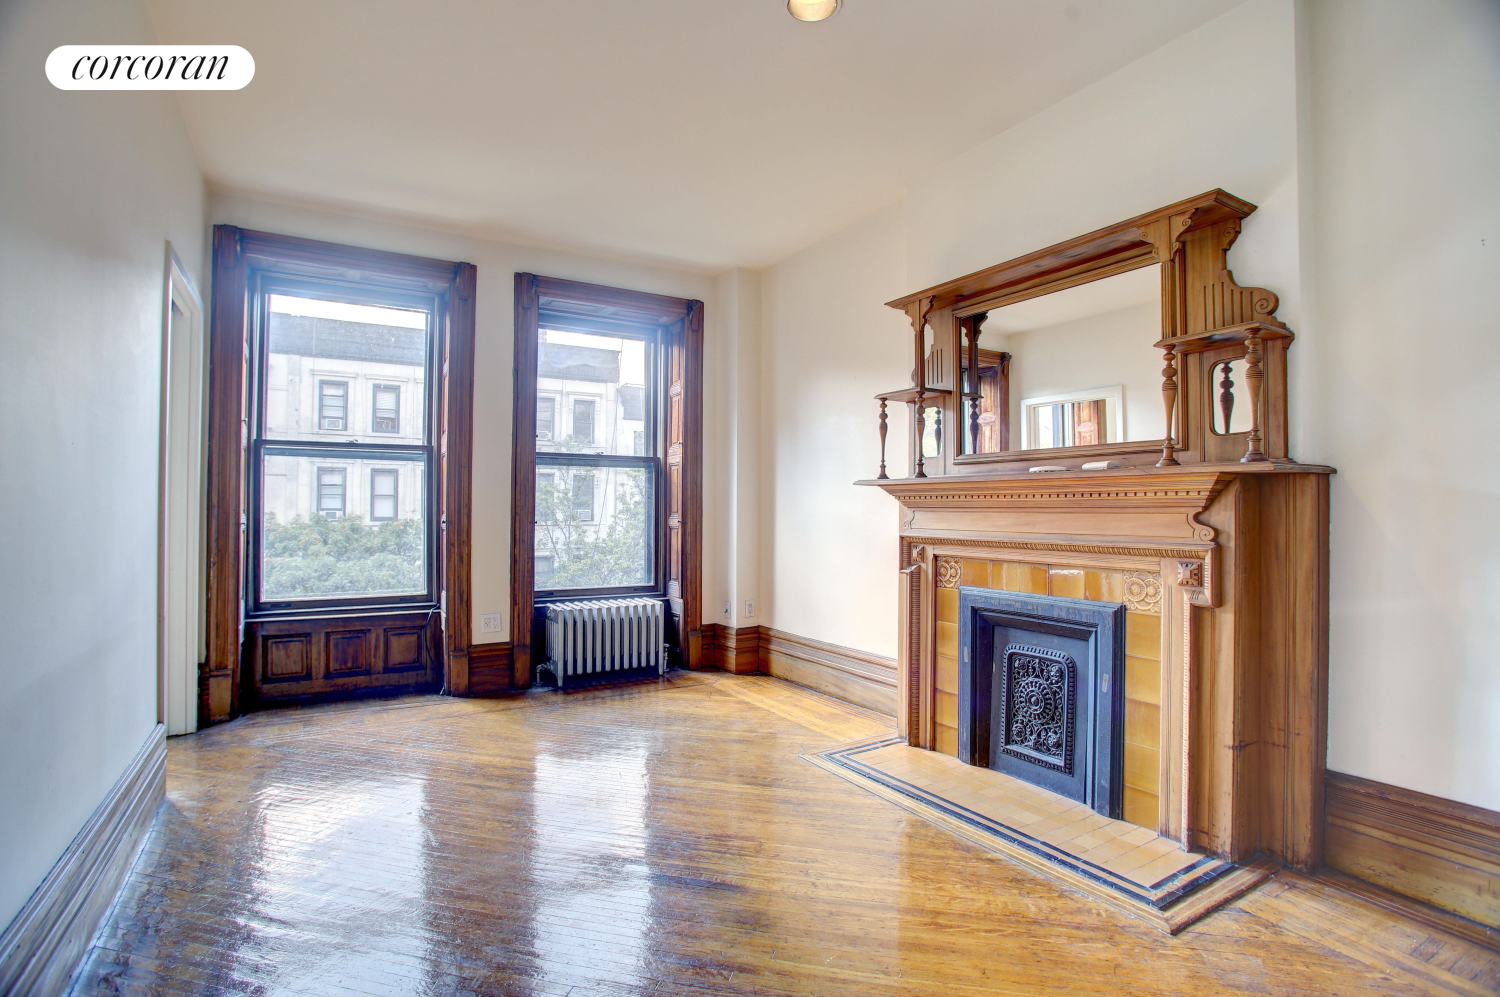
590 639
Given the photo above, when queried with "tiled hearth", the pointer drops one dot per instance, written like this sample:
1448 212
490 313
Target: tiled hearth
1140 591
1126 865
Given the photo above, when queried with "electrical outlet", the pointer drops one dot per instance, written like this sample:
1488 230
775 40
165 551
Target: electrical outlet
749 608
490 623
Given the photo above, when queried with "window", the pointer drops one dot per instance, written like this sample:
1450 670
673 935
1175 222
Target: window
597 513
343 520
546 409
331 492
1076 419
383 495
583 421
386 401
333 404
583 496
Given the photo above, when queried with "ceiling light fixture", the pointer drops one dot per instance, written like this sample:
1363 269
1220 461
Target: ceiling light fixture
812 10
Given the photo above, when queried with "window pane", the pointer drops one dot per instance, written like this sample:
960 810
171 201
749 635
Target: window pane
323 535
598 385
613 545
344 371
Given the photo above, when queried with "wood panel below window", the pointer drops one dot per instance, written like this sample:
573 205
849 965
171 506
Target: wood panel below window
293 659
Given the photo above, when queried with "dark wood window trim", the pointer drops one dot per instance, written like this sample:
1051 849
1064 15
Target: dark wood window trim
680 322
240 254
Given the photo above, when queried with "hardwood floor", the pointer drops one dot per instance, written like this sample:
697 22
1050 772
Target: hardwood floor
663 839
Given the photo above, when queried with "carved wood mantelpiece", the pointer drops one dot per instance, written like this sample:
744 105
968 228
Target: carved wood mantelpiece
1213 539
1231 558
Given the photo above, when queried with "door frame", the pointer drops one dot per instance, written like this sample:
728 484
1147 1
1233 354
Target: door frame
237 253
179 592
680 321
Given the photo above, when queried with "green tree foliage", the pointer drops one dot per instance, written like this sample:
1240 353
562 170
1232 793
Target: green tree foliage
344 556
594 554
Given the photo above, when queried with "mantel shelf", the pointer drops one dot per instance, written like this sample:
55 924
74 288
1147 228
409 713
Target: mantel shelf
1051 479
1208 339
910 394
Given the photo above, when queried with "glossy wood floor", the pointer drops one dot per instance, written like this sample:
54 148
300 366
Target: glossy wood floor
662 839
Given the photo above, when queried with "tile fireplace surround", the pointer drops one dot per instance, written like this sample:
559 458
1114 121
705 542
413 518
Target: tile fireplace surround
1222 569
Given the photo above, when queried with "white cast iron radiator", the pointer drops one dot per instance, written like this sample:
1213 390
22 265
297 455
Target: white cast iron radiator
589 639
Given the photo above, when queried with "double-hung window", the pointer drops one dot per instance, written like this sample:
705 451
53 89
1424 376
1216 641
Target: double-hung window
597 496
343 509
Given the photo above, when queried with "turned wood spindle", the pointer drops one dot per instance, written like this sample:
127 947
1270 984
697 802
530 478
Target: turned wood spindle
882 473
1169 398
1226 395
971 329
921 430
1254 375
937 429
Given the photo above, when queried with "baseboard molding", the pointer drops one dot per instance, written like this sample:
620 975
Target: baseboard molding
733 649
863 679
43 946
1433 850
490 668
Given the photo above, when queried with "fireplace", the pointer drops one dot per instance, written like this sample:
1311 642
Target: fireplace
1041 692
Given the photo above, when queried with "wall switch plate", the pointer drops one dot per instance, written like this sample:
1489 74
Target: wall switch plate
490 623
749 608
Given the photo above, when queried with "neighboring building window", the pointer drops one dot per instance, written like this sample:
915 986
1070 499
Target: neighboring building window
640 443
545 565
333 405
583 421
382 495
331 492
386 401
583 497
546 411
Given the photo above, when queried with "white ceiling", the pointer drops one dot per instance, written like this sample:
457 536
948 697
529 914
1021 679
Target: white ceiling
712 134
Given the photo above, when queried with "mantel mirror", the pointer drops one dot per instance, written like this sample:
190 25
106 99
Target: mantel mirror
1128 346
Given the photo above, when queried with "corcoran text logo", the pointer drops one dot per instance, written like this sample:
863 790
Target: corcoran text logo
150 67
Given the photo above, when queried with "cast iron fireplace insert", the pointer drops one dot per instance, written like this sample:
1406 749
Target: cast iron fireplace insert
1041 692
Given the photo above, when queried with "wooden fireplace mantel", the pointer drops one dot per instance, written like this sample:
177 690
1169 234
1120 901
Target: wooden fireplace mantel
1233 560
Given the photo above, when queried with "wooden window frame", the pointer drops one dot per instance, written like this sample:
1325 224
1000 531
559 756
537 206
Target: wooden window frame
240 257
679 321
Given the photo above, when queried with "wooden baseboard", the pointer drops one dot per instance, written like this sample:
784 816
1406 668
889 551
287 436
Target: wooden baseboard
733 649
490 668
43 946
867 680
1437 851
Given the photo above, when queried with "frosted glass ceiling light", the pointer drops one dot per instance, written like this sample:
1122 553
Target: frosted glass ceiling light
811 10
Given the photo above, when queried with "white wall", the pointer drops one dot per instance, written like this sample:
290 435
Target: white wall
1405 213
828 548
92 186
733 453
497 264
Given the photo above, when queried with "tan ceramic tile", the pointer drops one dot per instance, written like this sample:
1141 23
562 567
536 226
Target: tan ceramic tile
1127 862
947 681
1143 635
947 639
945 709
1104 852
1139 835
1141 767
946 740
976 572
1142 679
1142 808
1085 842
1066 582
1154 872
1142 719
947 605
1104 585
1017 576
